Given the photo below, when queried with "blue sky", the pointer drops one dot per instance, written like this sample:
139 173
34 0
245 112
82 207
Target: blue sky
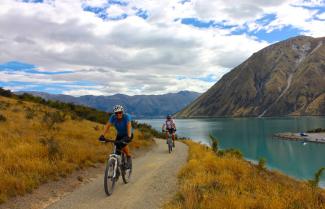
16 66
103 47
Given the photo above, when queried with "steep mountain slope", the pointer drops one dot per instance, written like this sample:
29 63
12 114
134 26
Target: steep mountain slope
286 78
139 105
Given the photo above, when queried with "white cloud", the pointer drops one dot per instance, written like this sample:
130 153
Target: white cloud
321 16
83 92
134 55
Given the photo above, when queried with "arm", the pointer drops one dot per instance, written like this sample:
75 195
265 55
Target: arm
163 127
106 128
174 125
129 129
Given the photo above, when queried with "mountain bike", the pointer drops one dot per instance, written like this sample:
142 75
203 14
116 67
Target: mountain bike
116 165
170 142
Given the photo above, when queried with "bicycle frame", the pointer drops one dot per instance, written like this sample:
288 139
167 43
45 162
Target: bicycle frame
117 159
169 141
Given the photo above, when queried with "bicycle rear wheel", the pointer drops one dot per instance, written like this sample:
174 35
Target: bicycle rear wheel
170 145
126 171
109 179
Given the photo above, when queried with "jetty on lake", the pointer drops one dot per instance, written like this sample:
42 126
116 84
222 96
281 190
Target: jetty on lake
304 137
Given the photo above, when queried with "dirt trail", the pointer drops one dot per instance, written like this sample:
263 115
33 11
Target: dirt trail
153 182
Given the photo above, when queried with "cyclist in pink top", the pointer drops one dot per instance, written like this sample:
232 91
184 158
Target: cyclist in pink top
170 128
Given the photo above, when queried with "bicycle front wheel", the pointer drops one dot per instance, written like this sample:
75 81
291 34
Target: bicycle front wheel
170 145
109 178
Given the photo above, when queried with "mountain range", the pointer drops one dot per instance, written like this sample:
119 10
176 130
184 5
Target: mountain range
285 78
139 105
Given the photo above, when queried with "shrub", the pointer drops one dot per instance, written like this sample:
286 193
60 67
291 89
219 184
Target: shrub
53 147
4 105
52 118
6 93
143 127
214 143
30 113
231 152
3 118
261 164
20 102
314 182
74 116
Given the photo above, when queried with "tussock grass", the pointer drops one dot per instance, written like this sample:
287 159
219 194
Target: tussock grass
38 144
210 181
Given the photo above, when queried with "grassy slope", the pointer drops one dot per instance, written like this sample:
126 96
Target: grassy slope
209 181
33 150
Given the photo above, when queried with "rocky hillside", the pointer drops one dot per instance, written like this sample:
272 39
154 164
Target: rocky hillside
286 78
138 105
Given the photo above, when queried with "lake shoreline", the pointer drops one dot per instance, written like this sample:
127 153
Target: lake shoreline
309 137
236 117
254 137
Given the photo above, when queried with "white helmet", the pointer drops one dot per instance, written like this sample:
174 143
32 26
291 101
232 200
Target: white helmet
118 108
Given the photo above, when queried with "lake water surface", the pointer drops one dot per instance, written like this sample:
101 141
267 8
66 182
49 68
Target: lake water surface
254 138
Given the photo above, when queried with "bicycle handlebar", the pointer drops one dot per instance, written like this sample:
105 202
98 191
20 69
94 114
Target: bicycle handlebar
108 140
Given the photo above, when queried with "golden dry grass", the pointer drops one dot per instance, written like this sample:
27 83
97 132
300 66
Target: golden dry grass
31 153
208 181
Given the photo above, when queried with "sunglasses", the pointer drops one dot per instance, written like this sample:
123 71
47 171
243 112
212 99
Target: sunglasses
118 113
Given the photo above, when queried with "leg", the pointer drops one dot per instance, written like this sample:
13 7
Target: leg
126 151
173 137
128 156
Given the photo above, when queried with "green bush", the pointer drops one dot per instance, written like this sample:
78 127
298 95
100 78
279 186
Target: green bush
214 143
314 182
148 128
5 93
261 164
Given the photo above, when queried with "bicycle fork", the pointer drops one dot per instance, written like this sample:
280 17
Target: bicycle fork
115 165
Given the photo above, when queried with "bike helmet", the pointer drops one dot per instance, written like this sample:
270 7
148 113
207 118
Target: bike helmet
118 108
169 117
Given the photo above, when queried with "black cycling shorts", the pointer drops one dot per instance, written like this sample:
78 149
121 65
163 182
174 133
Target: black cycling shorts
123 138
171 130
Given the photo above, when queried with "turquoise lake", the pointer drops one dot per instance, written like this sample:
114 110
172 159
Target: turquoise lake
254 138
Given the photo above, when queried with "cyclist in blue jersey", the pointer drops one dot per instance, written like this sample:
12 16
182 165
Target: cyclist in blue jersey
122 123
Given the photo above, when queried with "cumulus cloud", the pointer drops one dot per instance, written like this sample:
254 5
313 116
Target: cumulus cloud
140 46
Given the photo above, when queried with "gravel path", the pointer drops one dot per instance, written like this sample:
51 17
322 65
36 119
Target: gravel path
154 181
